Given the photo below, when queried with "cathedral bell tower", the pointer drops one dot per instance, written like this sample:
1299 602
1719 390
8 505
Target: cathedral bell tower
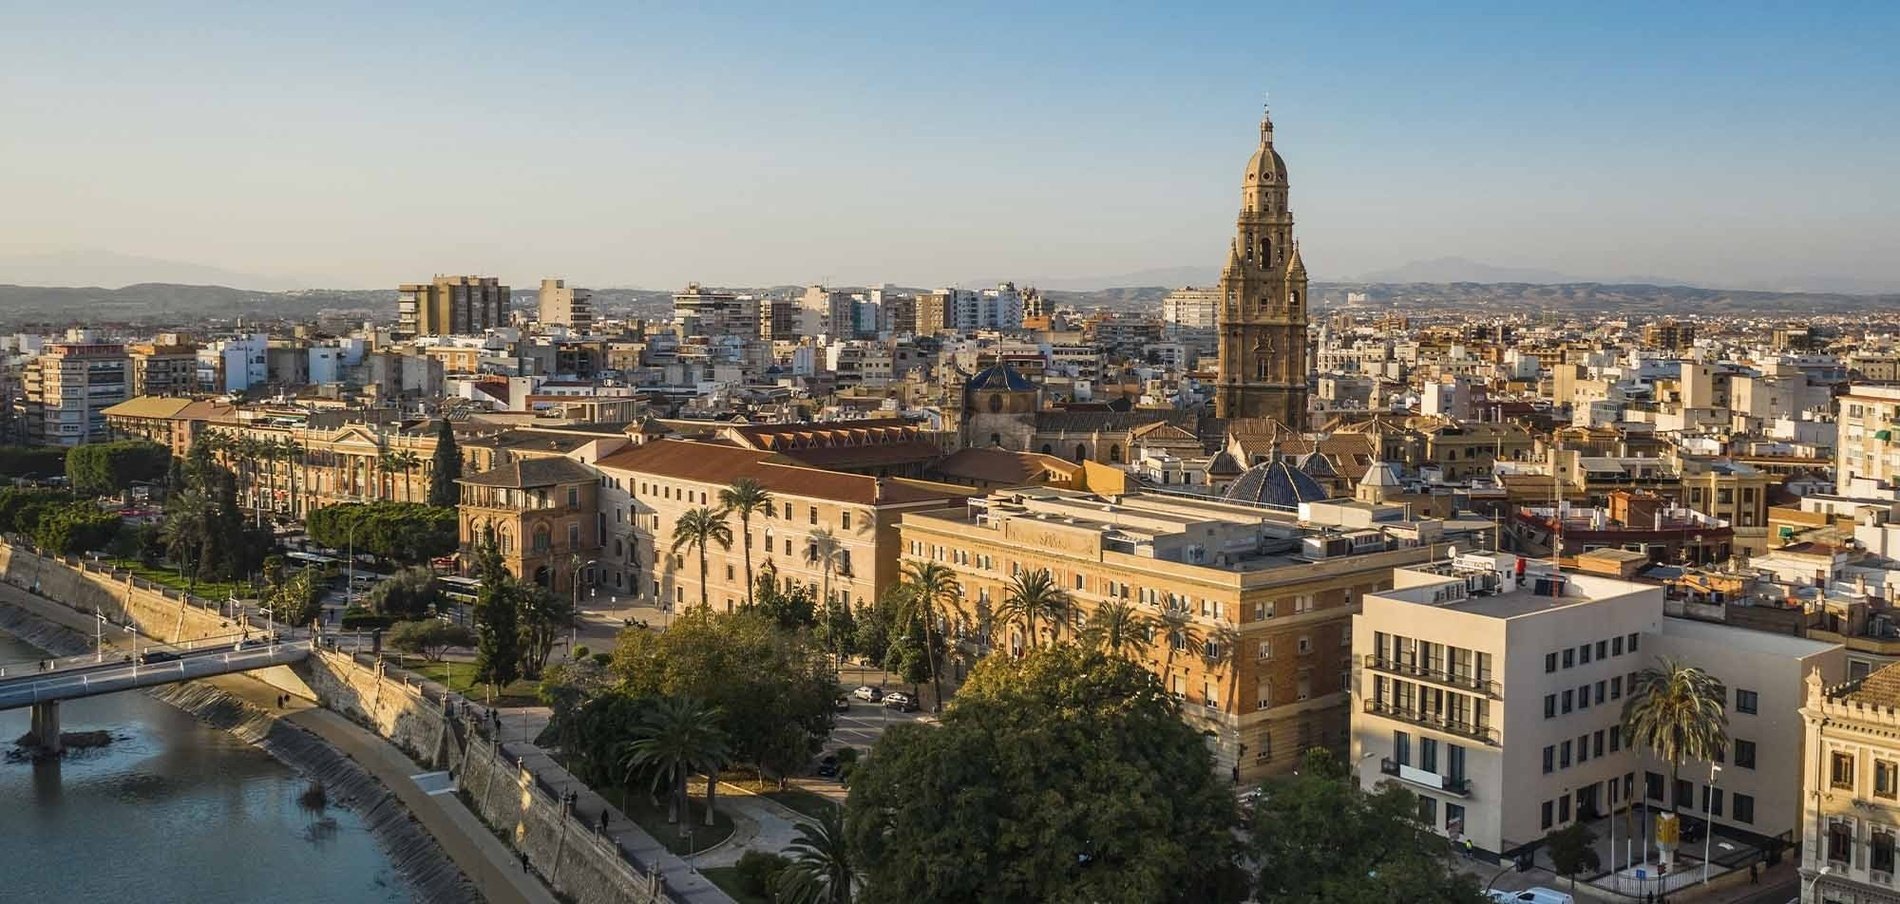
1263 355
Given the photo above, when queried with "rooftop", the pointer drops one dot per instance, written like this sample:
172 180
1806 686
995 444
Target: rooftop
1484 584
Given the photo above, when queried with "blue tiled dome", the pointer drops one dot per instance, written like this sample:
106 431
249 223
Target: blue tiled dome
1000 376
1275 483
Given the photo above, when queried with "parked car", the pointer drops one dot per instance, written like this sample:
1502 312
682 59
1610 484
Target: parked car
900 702
150 656
842 704
1538 895
828 767
868 692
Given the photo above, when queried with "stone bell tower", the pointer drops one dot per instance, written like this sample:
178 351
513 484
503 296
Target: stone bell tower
1263 354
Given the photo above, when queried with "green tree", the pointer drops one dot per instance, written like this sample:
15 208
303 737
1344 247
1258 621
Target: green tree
694 530
774 686
875 625
933 595
746 498
298 598
404 532
1572 851
1679 712
1033 596
821 869
1328 842
789 604
1118 628
31 462
408 594
102 469
497 626
1066 775
679 737
429 638
445 467
74 528
542 616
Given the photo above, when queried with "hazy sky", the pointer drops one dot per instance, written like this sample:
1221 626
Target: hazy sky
923 144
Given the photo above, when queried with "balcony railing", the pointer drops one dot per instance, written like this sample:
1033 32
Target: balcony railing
1485 686
1432 780
1476 732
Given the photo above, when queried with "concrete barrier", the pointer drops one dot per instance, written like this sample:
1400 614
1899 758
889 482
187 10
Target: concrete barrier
87 586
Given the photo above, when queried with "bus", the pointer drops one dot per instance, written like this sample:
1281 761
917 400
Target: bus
461 593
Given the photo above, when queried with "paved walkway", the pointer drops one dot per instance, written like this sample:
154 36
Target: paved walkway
758 824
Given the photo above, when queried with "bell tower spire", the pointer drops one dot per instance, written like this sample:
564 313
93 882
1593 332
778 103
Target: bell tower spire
1263 353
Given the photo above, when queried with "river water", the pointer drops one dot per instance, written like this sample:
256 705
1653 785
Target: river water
171 811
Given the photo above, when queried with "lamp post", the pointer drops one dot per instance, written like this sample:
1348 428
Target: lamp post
1807 885
349 581
134 631
1708 819
573 616
99 636
270 633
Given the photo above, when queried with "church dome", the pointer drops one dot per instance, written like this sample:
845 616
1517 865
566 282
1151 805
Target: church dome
1266 166
1275 483
1000 377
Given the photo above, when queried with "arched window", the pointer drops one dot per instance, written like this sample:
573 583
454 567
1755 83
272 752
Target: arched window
1081 452
996 403
1115 453
1048 449
542 538
1266 252
1260 365
996 439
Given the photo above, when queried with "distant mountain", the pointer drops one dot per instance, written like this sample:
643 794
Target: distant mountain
112 270
1446 270
168 304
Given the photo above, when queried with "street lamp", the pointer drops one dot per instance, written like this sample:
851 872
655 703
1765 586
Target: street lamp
573 616
1807 885
1708 819
270 633
99 636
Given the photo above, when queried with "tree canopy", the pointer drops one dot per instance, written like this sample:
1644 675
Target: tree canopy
1066 775
406 532
1325 841
774 686
100 469
445 468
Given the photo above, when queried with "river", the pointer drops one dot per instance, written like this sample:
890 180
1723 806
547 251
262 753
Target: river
171 811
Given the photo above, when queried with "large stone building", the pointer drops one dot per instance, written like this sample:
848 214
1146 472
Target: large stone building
1263 595
563 305
1263 354
451 306
544 517
1852 784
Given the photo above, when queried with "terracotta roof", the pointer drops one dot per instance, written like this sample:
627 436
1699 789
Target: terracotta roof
724 464
160 407
533 472
1881 688
1001 466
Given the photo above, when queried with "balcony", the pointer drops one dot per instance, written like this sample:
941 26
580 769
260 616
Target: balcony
1486 686
1482 733
1424 779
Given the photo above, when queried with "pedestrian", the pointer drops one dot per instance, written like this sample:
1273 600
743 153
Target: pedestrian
603 819
524 861
1754 874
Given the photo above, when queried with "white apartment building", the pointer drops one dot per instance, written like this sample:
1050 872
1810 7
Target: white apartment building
69 387
1192 307
1868 437
1500 704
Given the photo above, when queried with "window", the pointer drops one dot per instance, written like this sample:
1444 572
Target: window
1841 771
1603 646
1563 809
1616 688
1583 655
1880 851
814 514
1652 786
1596 743
844 519
1306 644
1746 701
1840 843
1616 738
1616 646
1570 658
1428 810
1550 706
1583 749
1454 818
1745 754
1744 808
1633 638
1550 663
1546 815
1263 650
1884 779
1569 700
1685 794
1428 754
573 497
1563 756
1712 801
1583 697
1601 685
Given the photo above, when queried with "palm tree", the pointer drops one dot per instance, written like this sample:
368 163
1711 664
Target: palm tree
821 871
1179 633
933 591
1679 712
679 737
697 528
1036 595
746 498
1119 628
405 461
823 550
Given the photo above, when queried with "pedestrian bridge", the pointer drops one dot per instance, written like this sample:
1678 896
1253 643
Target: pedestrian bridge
44 685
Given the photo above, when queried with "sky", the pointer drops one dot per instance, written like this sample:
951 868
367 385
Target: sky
621 144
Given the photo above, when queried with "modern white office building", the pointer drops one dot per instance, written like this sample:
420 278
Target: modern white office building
1499 701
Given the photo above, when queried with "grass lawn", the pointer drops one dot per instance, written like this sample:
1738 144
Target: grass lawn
640 809
460 678
210 590
810 803
727 878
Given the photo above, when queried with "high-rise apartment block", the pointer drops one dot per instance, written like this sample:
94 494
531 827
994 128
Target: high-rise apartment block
564 306
1868 459
451 306
163 369
1192 308
700 311
69 387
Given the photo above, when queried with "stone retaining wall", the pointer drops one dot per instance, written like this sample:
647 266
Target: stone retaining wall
87 586
527 814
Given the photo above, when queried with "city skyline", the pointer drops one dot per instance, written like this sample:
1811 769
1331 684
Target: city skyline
1711 146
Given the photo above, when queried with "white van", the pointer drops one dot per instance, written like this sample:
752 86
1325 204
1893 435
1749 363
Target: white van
1538 895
